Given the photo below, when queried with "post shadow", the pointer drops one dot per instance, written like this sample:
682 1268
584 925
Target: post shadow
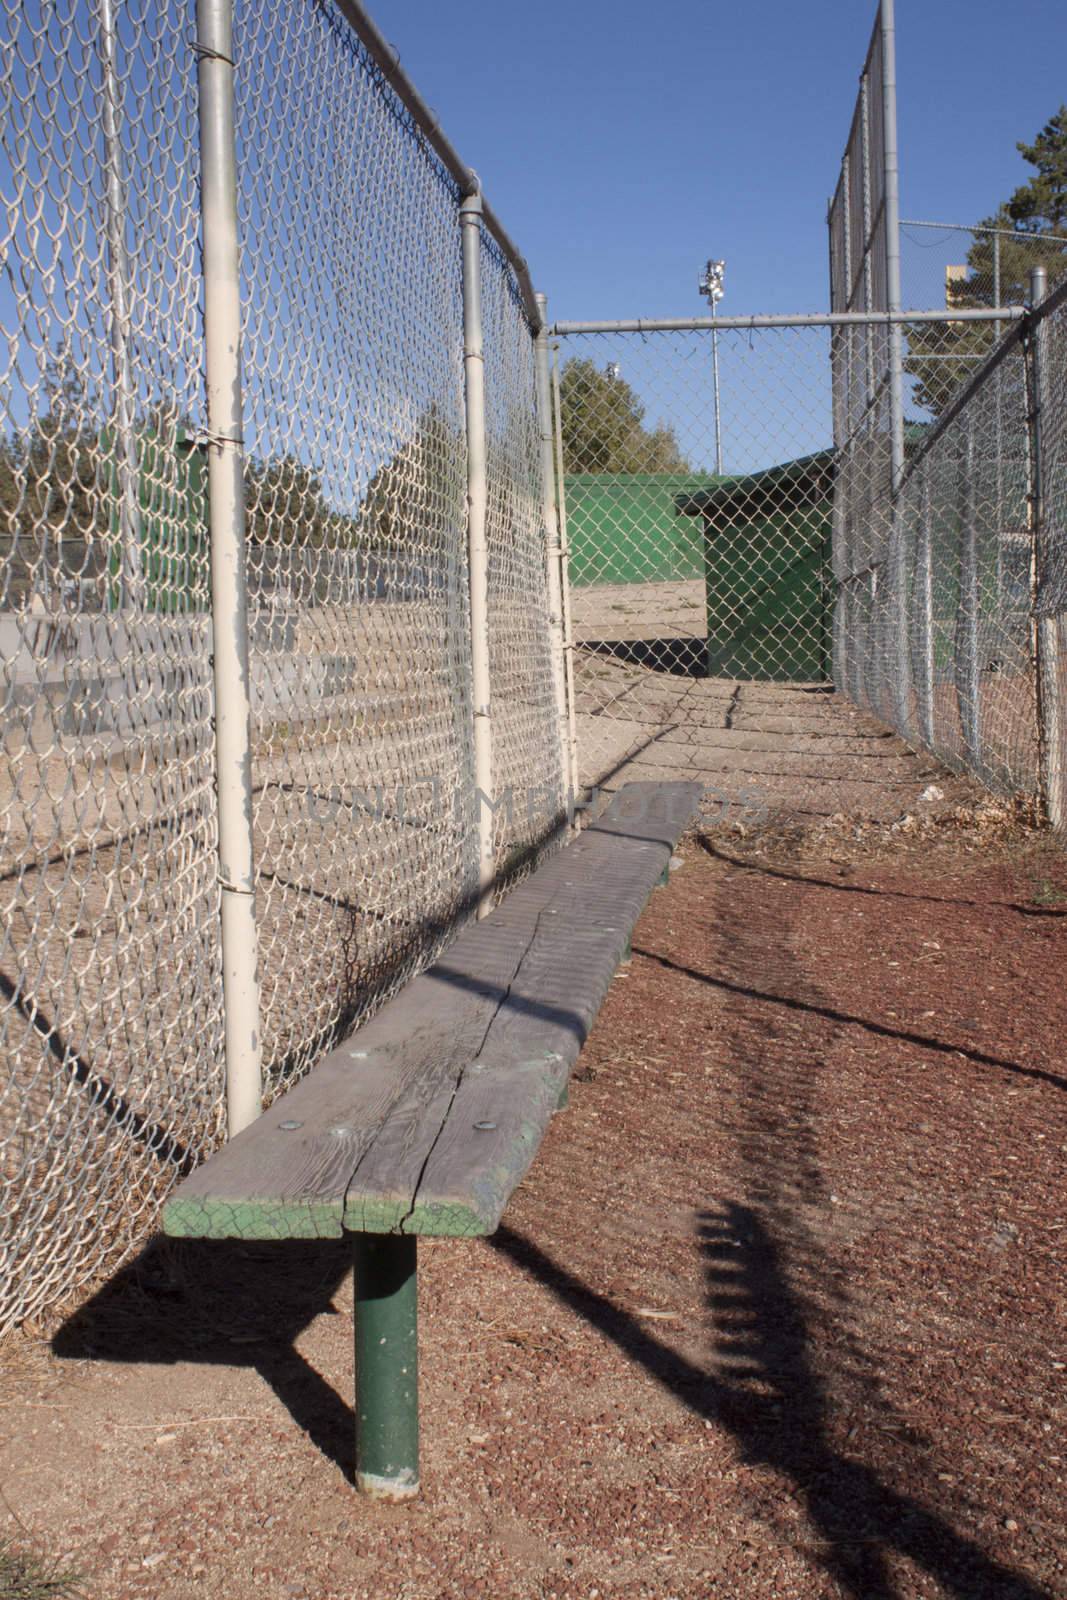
764 1392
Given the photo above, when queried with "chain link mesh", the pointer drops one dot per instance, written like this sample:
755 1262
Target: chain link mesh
364 811
793 564
734 550
957 267
933 625
110 1020
356 484
527 776
684 581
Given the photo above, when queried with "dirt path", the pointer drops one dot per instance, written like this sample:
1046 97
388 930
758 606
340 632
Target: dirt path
761 750
779 1311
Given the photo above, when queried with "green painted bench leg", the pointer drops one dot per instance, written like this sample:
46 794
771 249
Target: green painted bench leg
387 1365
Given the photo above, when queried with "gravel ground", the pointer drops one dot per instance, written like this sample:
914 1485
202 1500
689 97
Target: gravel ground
778 1312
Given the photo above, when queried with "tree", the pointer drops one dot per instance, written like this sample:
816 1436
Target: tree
284 504
603 425
942 355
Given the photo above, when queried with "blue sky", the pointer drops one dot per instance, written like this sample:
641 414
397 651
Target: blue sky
624 143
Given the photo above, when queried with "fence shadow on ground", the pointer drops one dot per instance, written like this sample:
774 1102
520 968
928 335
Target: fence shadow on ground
764 1391
789 1374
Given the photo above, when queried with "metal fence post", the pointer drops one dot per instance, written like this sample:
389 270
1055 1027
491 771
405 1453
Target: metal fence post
565 578
1050 731
924 595
470 217
129 578
891 224
229 596
899 601
553 550
968 683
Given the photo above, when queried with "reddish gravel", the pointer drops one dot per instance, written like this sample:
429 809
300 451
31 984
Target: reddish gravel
778 1312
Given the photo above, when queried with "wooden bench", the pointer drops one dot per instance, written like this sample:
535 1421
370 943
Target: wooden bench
426 1118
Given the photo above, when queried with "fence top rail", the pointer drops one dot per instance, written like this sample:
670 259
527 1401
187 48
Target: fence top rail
823 319
1025 324
386 57
978 227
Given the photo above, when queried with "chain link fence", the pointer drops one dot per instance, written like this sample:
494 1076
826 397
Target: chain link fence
966 269
684 581
364 816
355 500
528 780
933 625
937 610
726 503
949 614
110 1015
958 267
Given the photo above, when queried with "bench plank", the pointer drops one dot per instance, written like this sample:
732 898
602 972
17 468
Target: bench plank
388 1136
592 894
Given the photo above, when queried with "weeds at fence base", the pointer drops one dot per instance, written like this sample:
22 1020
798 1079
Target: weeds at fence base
27 1576
962 817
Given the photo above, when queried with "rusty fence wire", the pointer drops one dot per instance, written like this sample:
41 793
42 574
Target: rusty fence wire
363 816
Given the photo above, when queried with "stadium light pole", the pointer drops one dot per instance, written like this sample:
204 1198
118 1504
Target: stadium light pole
711 285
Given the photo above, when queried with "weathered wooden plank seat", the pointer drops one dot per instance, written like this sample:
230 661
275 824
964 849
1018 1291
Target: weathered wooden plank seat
425 1119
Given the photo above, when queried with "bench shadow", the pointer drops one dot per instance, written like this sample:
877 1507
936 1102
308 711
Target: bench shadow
225 1303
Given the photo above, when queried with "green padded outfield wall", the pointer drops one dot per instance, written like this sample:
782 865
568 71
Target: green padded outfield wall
768 595
759 541
623 527
767 571
172 499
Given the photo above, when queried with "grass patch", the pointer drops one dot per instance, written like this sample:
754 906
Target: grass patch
26 1576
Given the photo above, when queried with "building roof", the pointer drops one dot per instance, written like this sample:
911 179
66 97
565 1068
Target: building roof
791 485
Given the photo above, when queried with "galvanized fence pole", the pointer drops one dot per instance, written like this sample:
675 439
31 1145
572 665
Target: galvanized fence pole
129 578
891 224
552 551
565 579
924 610
1051 775
229 597
470 217
900 601
967 675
